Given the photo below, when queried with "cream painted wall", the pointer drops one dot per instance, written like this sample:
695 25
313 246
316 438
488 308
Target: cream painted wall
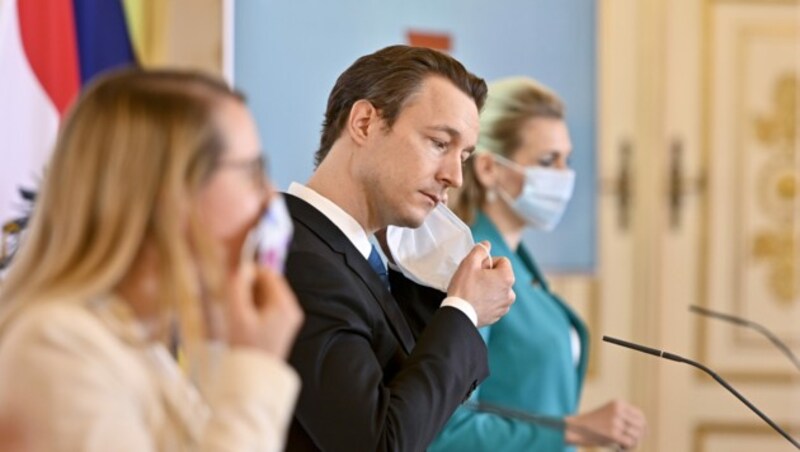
179 33
706 80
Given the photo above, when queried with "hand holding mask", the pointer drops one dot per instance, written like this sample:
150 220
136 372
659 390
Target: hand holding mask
269 241
430 254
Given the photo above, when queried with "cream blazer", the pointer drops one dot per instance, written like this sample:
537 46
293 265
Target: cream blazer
83 377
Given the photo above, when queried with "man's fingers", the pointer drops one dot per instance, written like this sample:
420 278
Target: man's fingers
502 263
487 261
478 255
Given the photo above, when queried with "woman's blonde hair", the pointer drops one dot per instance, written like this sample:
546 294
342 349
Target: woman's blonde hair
131 153
510 104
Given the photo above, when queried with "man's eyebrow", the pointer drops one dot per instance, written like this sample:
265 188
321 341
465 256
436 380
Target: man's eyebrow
446 129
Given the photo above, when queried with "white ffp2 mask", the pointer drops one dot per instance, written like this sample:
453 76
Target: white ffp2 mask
430 254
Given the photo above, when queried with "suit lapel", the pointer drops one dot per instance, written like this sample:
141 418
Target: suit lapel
323 228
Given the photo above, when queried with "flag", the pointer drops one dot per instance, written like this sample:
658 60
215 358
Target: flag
48 50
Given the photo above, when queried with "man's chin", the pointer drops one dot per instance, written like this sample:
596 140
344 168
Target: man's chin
413 220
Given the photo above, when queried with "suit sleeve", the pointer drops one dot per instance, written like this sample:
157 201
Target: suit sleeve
469 429
347 401
419 303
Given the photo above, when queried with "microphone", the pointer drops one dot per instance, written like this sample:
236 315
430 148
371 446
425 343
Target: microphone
750 324
552 422
720 380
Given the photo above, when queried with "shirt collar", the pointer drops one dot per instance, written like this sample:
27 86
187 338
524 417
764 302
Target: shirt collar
346 223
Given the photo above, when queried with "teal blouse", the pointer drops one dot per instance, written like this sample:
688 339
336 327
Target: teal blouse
531 364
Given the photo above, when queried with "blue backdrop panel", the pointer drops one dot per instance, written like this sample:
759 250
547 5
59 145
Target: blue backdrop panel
288 55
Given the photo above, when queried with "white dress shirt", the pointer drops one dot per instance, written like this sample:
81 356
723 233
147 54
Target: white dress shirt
359 237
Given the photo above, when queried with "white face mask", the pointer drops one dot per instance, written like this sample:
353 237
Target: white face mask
544 196
269 241
430 254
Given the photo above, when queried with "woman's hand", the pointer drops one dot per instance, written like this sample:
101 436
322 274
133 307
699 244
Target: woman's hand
262 311
615 423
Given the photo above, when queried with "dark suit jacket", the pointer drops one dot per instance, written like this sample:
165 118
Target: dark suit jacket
369 382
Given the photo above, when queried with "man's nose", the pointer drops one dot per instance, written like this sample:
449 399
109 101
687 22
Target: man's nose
451 171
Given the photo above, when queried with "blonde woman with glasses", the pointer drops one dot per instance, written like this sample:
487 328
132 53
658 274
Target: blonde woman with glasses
136 240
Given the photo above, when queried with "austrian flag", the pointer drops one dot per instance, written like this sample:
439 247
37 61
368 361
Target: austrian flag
48 50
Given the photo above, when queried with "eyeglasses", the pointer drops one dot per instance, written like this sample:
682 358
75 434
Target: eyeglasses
256 168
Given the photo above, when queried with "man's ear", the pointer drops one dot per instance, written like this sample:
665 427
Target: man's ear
485 169
362 120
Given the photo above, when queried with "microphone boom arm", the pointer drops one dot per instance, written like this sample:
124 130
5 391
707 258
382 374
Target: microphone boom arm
720 380
750 324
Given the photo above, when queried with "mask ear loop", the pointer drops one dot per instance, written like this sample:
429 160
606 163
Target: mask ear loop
488 256
508 163
497 190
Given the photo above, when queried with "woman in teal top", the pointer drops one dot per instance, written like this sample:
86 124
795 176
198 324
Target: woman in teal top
538 351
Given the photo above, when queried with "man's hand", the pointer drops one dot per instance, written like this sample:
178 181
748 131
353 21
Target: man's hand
484 284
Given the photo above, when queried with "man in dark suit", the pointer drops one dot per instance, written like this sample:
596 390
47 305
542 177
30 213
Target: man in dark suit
398 126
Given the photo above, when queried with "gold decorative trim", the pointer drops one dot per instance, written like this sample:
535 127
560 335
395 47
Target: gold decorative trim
759 2
771 133
779 127
707 74
780 288
704 430
9 239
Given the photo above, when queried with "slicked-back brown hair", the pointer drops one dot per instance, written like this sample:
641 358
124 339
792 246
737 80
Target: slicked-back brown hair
387 79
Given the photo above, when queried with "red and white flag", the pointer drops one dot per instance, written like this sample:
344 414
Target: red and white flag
39 77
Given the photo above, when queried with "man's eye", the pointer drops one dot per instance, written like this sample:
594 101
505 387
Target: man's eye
548 161
441 145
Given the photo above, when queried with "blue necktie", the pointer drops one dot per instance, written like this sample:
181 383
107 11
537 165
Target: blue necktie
376 263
